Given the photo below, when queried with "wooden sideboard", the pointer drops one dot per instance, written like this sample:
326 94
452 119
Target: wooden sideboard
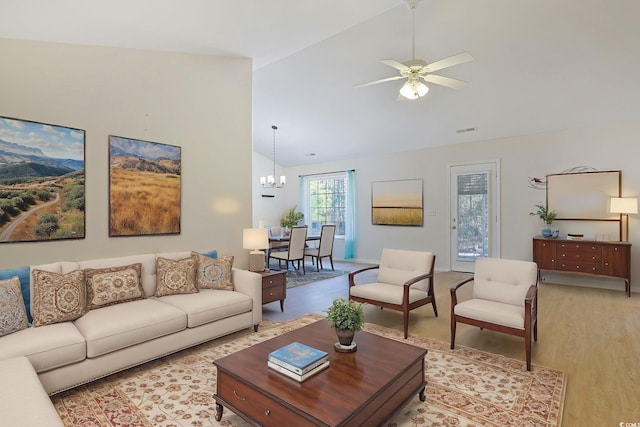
612 259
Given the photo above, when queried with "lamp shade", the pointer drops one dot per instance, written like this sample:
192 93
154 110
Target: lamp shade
255 238
624 205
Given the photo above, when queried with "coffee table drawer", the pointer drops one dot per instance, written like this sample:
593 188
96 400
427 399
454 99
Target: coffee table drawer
258 407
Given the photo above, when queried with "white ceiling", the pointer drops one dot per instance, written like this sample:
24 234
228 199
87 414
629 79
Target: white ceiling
540 65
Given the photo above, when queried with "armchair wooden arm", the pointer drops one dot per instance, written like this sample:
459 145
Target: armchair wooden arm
353 274
454 289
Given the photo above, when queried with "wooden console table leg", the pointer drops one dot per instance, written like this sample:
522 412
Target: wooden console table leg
219 409
422 396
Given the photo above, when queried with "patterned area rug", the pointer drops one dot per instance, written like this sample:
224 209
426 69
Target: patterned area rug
296 278
465 387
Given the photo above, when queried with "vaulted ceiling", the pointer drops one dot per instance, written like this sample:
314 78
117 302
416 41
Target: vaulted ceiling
539 65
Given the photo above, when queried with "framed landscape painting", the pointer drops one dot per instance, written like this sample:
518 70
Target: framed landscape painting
144 187
42 189
396 202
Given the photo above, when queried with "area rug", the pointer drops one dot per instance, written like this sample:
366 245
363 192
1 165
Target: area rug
465 387
297 278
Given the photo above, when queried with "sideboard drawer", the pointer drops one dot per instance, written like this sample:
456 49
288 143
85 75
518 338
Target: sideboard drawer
583 248
580 256
580 267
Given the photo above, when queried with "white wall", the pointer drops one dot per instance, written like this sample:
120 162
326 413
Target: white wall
200 103
610 147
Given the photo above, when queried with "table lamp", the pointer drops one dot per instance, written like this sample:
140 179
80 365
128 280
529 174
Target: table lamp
624 206
255 239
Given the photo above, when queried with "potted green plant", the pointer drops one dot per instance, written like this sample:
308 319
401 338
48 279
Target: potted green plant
547 216
292 218
347 317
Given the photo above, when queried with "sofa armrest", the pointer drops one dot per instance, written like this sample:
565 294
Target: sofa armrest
250 284
352 275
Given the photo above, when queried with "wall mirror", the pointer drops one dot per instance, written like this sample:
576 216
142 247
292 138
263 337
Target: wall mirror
583 195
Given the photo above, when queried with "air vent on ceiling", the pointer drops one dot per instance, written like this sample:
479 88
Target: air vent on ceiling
465 130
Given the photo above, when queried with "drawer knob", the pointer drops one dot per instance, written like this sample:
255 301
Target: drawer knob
267 412
236 395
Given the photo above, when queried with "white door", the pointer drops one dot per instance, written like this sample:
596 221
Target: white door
474 224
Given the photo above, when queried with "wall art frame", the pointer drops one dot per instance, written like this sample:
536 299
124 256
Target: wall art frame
145 187
398 202
42 181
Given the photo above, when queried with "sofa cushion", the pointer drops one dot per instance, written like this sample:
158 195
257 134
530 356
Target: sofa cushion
23 401
210 305
214 273
24 275
113 285
13 315
148 261
48 347
176 276
57 297
123 325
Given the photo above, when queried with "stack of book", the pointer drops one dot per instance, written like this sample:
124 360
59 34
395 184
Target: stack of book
575 236
298 361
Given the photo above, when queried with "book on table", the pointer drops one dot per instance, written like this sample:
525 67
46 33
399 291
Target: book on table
298 358
295 376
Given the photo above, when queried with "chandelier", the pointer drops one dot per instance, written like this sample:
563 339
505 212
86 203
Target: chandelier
270 180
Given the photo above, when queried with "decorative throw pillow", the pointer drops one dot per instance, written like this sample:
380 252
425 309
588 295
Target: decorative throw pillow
57 298
113 285
175 276
13 315
214 273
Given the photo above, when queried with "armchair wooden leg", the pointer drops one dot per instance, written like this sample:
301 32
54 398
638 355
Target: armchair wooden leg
527 348
435 309
453 331
406 324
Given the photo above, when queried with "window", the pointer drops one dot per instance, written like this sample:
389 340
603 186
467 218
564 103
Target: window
327 202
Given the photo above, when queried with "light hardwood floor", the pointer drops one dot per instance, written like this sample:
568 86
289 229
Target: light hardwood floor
591 334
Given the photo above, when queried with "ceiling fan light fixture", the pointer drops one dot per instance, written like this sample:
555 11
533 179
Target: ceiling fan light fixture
414 89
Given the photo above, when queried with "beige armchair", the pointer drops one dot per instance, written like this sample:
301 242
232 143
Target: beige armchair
325 247
404 283
505 299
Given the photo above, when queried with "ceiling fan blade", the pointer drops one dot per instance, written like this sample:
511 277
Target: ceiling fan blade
395 64
449 62
388 79
445 81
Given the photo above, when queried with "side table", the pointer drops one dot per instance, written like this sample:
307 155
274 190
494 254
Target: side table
274 286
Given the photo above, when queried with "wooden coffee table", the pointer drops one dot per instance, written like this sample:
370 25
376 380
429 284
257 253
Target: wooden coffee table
367 387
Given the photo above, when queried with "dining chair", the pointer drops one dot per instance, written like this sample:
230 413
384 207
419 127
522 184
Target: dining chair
325 247
295 251
275 232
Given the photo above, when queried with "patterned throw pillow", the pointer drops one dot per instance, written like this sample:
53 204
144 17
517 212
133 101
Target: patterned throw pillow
175 276
214 273
13 315
57 298
113 285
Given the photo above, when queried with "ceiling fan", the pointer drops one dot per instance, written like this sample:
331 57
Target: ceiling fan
417 70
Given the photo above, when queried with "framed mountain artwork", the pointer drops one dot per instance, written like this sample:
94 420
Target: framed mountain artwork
144 187
42 186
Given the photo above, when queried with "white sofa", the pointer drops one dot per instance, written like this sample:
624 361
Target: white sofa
116 337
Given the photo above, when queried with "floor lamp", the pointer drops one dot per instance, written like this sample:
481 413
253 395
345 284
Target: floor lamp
624 206
255 239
